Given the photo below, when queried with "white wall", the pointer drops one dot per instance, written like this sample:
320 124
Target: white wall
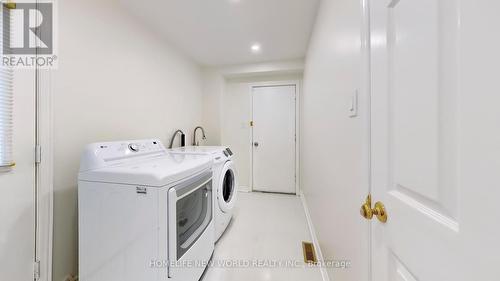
236 115
334 164
263 69
116 80
236 130
213 89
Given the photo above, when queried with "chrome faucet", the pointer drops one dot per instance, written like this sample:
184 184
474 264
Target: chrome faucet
183 138
204 137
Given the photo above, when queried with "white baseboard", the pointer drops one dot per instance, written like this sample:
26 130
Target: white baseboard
244 189
319 254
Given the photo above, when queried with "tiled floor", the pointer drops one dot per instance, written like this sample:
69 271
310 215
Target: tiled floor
266 229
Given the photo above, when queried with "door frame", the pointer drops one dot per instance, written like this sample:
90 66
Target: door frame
298 85
44 193
44 181
366 94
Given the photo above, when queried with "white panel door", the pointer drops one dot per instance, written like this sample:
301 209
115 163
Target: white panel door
274 139
17 187
422 141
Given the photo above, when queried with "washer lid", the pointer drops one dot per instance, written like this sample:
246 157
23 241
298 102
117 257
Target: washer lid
199 149
219 153
154 172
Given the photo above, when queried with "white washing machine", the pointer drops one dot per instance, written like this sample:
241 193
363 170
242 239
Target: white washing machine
225 182
144 214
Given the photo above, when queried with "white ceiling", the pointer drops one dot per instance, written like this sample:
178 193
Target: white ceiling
221 32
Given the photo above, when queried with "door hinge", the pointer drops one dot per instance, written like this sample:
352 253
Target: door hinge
36 270
251 123
38 154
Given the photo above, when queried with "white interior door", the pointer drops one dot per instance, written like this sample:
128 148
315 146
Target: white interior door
17 187
274 138
425 144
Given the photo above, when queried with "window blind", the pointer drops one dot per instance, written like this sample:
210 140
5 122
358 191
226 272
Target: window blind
6 103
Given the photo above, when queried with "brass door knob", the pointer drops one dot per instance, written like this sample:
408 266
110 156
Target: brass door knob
368 212
380 212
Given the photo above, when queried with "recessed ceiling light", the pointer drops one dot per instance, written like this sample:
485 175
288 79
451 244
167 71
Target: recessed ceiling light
234 1
255 48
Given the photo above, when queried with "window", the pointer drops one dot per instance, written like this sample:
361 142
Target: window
6 106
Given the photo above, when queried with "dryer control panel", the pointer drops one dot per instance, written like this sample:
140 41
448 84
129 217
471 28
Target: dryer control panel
99 155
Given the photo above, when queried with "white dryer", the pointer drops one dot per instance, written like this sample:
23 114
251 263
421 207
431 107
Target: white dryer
225 182
144 214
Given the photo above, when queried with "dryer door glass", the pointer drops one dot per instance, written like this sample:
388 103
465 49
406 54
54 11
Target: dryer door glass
194 214
228 186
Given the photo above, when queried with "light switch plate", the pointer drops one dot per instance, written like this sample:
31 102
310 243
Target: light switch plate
353 107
